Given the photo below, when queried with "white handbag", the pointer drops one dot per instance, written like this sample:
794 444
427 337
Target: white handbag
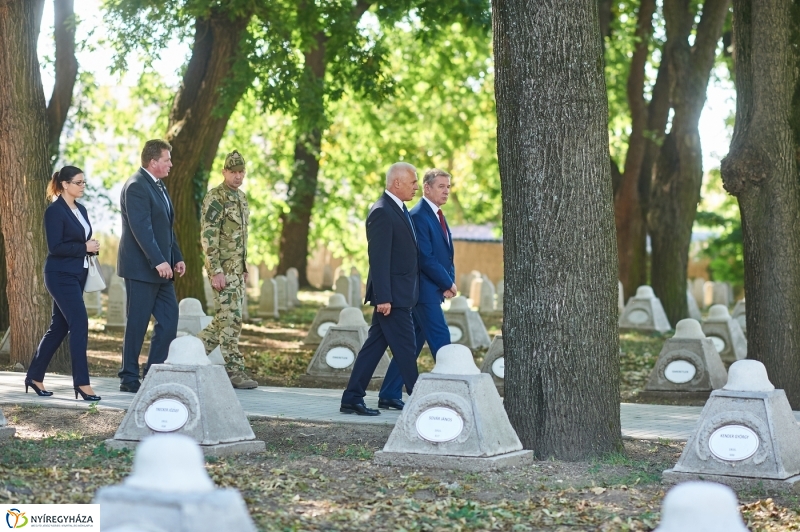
94 280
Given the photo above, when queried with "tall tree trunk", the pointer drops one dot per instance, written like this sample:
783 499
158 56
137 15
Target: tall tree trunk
3 284
57 109
679 170
628 211
210 90
66 73
560 329
303 183
24 159
761 170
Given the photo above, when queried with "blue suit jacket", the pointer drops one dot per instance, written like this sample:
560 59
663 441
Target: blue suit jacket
147 237
393 259
66 237
437 271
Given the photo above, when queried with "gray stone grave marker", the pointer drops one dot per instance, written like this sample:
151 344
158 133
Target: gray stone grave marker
327 277
326 318
501 289
107 272
620 297
726 334
170 490
117 315
700 507
486 301
343 287
466 282
93 302
644 313
694 310
333 360
5 343
494 363
708 294
697 292
208 293
6 432
721 294
253 277
466 326
355 288
282 290
191 317
746 437
740 315
475 292
688 365
188 395
268 302
454 420
292 287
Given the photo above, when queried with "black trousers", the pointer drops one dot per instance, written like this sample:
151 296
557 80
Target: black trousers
69 316
396 331
144 300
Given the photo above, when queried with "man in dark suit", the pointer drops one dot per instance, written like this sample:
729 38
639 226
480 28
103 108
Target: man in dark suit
392 287
436 279
148 255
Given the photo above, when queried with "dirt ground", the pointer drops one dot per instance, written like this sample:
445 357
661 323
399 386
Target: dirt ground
317 476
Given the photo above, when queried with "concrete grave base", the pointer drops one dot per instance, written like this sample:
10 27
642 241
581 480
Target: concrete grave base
673 397
495 351
671 477
466 326
329 316
726 333
459 463
219 450
211 413
7 433
644 313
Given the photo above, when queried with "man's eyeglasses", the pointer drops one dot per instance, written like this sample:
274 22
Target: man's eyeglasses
79 183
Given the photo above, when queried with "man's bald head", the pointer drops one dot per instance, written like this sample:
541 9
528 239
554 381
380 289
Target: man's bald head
396 171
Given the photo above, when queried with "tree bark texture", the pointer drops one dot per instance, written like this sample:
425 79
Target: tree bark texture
3 284
303 183
66 73
679 169
560 329
628 209
196 124
761 170
24 158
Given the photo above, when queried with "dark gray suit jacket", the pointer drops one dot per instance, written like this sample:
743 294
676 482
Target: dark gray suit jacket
147 235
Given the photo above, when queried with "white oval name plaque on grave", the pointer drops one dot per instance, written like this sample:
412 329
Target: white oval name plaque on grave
439 424
718 342
322 330
499 368
638 316
455 333
680 371
339 357
733 443
166 415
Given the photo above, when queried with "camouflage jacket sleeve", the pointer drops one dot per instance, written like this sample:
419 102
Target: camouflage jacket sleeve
213 211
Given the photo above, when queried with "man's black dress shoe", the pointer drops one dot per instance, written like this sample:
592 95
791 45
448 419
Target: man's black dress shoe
132 387
360 409
388 404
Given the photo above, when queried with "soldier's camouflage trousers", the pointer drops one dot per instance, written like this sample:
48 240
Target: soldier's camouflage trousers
226 326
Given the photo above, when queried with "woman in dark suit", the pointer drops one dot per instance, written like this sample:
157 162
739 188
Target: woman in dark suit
68 230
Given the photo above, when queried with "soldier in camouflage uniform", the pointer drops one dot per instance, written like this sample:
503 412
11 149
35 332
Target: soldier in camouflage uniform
224 240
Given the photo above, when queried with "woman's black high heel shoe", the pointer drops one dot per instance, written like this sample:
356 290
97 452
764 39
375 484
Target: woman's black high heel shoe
39 391
86 396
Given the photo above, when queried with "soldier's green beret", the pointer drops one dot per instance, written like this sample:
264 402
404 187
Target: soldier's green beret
234 161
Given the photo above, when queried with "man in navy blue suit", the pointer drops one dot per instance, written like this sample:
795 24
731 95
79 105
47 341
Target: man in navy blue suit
392 287
436 279
148 256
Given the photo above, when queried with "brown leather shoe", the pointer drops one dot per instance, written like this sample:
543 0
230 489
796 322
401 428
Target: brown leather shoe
240 380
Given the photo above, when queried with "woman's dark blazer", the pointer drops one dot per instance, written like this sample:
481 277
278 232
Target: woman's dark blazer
66 238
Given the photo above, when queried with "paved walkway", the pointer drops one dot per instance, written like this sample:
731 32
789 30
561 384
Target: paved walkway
647 422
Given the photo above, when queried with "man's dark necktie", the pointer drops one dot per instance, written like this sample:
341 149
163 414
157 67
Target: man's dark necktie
444 225
408 217
163 190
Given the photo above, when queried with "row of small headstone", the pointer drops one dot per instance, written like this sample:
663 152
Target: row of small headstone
349 286
707 293
278 294
116 314
483 295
